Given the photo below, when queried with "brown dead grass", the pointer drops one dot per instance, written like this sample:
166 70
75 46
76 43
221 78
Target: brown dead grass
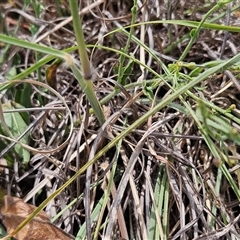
191 170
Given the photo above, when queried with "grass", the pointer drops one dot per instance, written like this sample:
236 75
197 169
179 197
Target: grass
149 149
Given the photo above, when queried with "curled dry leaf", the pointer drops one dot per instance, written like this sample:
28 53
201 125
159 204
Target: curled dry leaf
14 211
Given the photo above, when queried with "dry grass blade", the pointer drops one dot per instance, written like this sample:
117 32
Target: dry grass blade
176 175
127 175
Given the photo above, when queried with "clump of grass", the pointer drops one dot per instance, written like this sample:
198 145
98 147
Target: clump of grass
162 160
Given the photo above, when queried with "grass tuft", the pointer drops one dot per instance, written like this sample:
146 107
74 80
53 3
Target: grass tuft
122 119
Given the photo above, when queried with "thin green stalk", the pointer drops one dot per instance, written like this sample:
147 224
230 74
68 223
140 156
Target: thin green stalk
166 209
87 87
191 24
81 196
86 66
221 15
107 192
125 50
195 32
39 64
161 206
213 106
214 150
170 27
155 225
15 31
82 231
34 29
217 191
84 80
231 180
34 46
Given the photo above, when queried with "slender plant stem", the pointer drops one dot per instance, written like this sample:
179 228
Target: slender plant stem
86 66
125 50
195 32
84 80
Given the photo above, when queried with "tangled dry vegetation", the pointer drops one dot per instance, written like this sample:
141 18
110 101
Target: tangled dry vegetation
162 180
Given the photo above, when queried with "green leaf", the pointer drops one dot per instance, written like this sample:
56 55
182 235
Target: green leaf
27 104
82 231
148 89
17 126
3 233
217 125
11 73
126 71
